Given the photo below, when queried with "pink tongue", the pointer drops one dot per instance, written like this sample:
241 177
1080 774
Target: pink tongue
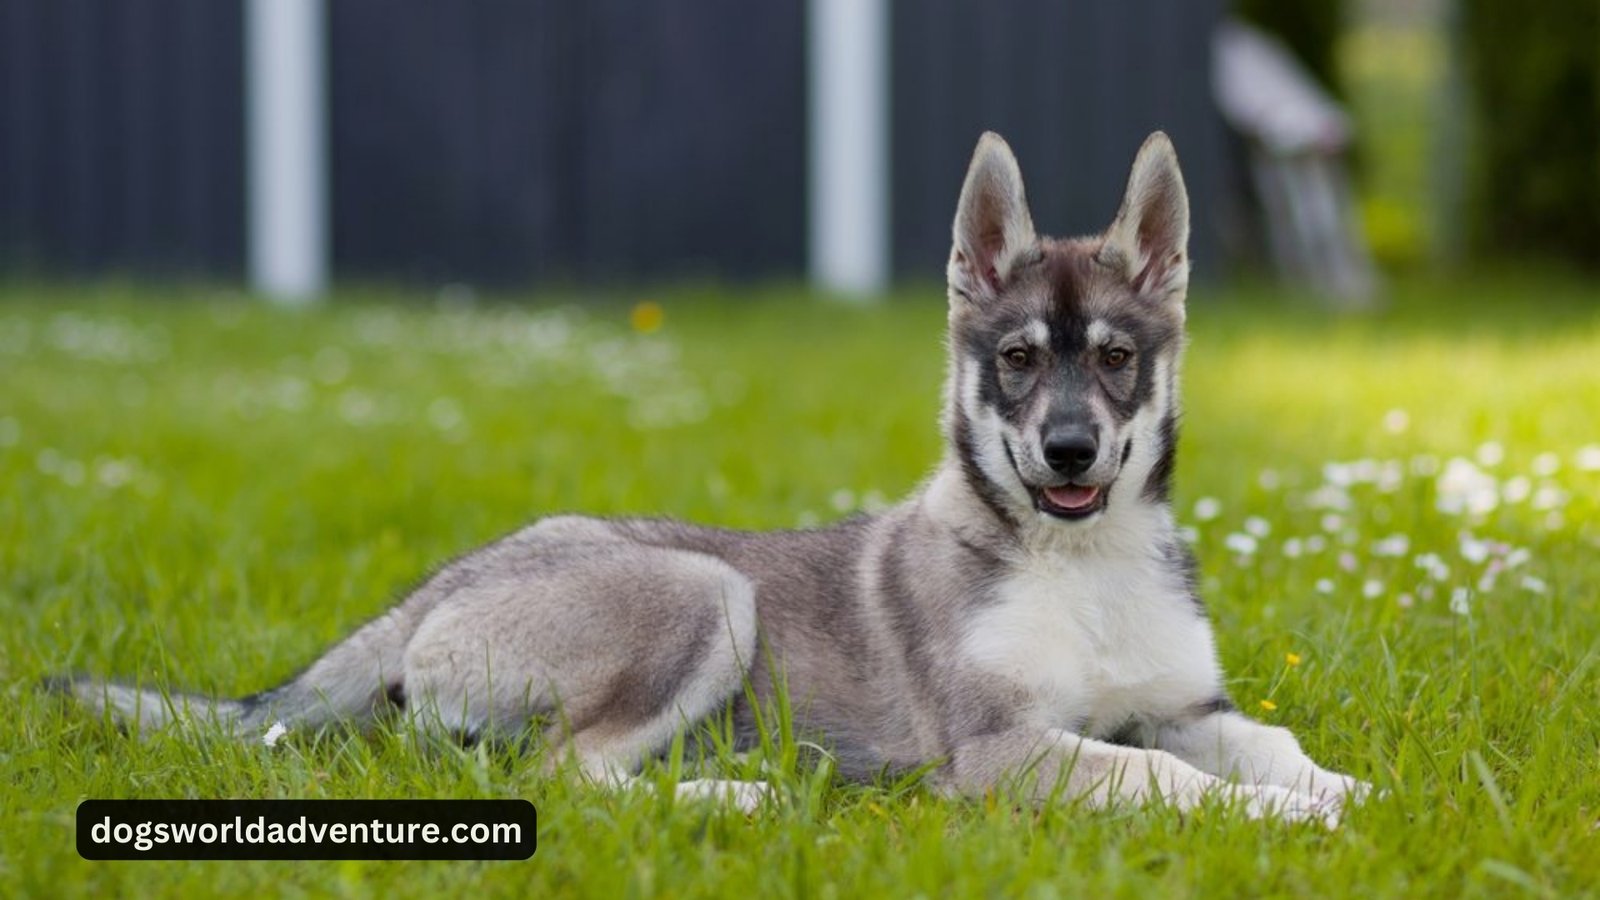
1072 496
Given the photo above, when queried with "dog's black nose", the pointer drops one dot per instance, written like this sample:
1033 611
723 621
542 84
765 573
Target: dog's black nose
1070 451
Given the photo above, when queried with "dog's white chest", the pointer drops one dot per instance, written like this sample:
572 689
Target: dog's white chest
1094 642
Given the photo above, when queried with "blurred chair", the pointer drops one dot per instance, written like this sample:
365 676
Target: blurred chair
1298 139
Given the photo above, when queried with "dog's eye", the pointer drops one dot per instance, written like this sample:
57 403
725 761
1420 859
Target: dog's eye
1017 357
1116 358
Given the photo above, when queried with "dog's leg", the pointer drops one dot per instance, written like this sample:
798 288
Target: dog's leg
747 796
1229 744
1059 763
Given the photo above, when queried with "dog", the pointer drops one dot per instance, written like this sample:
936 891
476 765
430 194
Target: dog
1029 617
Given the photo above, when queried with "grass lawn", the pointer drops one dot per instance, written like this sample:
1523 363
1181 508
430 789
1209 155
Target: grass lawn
1396 514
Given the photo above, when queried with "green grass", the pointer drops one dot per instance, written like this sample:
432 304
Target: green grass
202 493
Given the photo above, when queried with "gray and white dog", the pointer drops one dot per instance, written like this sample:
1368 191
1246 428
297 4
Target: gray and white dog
1028 617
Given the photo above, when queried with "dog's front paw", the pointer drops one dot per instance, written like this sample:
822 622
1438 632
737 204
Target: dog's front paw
746 796
1273 801
1337 788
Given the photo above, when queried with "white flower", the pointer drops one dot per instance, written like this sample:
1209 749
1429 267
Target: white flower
1589 458
1269 479
1345 474
1332 522
1460 599
1372 588
1536 585
1396 421
1292 548
1347 561
1242 544
1473 550
1517 489
1394 545
1338 474
356 407
1517 557
1329 496
1548 496
843 500
1324 585
445 414
1365 471
1463 487
1546 464
114 473
1257 526
1207 508
1405 601
1316 543
1433 565
1491 454
1390 476
277 731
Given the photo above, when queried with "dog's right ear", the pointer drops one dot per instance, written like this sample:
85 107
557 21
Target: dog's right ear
993 230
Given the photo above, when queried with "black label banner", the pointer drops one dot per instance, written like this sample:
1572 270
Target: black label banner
306 829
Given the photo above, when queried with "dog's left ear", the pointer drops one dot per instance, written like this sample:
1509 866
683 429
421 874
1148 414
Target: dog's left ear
1149 240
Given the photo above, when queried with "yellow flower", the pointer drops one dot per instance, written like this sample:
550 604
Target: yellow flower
1268 705
1292 659
646 317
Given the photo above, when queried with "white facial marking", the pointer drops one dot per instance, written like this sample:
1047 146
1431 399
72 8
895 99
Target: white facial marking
1038 332
988 437
1145 432
1098 333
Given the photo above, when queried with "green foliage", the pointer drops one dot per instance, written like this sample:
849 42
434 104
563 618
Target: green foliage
1310 28
1534 72
202 493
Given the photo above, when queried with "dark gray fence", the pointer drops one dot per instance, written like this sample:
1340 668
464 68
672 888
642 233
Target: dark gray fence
121 135
515 141
1073 86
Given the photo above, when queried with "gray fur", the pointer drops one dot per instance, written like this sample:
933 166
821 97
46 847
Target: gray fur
980 625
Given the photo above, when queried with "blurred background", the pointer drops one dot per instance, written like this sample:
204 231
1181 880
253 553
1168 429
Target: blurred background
569 256
290 144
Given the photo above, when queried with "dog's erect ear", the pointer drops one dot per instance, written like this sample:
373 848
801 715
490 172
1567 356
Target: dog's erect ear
993 230
1149 241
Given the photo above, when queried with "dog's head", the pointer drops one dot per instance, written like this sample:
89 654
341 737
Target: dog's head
1062 402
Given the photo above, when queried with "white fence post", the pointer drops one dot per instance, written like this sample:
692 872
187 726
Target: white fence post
286 148
848 198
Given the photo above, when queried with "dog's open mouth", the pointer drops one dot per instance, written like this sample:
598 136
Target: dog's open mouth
1070 501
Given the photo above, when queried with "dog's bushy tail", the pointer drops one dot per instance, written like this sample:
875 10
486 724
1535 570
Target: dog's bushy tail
357 678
